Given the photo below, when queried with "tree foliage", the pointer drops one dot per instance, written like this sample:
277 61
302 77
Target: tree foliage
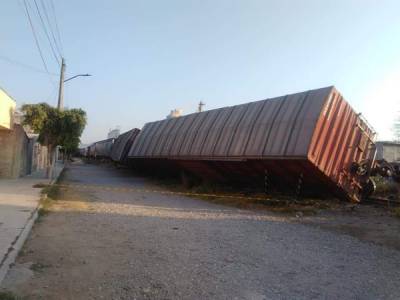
55 128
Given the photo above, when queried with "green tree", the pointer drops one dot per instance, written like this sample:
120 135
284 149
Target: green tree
55 128
73 122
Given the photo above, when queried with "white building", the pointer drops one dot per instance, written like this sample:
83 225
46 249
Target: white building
175 113
113 134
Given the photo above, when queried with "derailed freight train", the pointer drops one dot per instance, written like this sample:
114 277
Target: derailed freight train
100 149
122 145
115 149
313 138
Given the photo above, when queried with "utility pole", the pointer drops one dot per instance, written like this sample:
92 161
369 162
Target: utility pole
201 104
60 104
60 107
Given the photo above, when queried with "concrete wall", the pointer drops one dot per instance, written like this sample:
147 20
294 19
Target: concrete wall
7 108
13 152
19 154
389 151
39 155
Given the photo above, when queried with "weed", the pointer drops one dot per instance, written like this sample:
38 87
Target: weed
40 185
396 212
52 191
227 195
38 267
386 187
7 296
45 204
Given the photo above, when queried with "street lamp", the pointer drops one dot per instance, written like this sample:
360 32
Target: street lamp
76 76
60 104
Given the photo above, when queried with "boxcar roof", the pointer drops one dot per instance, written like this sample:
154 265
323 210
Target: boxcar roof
277 127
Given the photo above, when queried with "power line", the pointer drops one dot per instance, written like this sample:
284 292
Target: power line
52 93
35 36
45 31
50 27
23 65
55 22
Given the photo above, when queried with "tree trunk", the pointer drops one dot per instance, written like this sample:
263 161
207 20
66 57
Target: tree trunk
51 162
48 160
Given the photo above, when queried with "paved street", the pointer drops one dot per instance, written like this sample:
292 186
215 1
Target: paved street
119 244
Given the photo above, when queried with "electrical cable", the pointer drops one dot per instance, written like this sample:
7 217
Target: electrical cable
35 36
57 28
46 33
17 63
50 27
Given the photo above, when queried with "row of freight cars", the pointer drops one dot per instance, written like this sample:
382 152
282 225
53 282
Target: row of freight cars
313 139
116 149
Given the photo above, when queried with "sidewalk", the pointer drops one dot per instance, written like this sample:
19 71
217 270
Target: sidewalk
19 202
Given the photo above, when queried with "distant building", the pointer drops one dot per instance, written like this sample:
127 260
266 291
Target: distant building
175 113
113 134
389 151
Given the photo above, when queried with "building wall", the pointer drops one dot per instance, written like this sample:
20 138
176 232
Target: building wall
14 145
20 155
388 150
39 155
7 108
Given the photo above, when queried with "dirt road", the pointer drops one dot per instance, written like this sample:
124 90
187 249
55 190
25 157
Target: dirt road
119 244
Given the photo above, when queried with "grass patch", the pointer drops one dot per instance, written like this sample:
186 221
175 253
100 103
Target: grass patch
38 267
40 185
386 187
50 193
396 212
230 196
283 205
45 204
8 296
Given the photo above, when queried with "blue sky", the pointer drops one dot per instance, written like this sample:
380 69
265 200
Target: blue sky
149 57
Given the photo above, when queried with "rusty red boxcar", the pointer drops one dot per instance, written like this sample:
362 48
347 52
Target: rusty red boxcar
313 137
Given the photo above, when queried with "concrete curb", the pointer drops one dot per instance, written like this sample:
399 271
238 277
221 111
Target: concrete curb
17 245
19 241
54 180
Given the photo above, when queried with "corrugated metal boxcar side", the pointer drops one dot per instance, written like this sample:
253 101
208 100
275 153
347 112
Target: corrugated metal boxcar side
314 134
103 148
91 150
83 151
123 144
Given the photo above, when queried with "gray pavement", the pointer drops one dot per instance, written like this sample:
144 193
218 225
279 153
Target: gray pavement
113 244
19 202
